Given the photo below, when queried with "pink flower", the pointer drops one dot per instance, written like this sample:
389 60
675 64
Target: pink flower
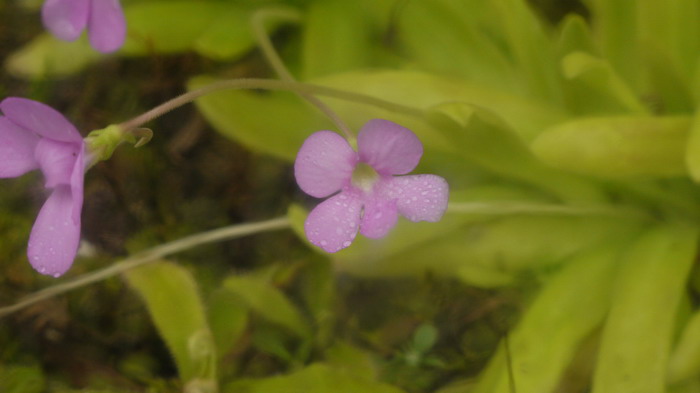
104 21
370 197
35 136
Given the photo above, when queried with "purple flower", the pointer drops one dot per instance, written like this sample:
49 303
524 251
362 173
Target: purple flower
104 20
370 197
35 136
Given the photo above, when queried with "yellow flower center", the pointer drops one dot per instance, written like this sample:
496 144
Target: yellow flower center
364 177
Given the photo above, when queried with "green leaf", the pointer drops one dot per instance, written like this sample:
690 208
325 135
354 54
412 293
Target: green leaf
486 140
684 362
228 317
46 56
692 151
151 26
279 129
336 38
269 302
456 44
594 87
575 36
317 378
637 337
173 301
616 147
617 28
569 307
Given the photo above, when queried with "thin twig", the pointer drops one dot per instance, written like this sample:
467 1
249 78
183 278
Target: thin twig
150 255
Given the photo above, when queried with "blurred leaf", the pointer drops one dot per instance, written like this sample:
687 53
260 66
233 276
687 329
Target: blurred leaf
684 362
532 49
501 244
279 130
616 26
425 337
228 318
48 56
569 307
21 379
318 290
615 147
336 38
344 356
317 378
456 44
575 36
636 340
268 301
692 151
230 35
172 298
482 137
151 27
594 87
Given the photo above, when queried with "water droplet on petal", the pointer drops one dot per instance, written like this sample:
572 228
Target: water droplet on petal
323 242
346 244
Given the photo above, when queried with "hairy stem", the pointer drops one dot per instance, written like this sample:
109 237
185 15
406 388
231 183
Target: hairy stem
150 255
266 84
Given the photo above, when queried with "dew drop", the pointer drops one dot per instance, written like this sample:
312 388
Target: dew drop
56 275
346 244
323 242
339 230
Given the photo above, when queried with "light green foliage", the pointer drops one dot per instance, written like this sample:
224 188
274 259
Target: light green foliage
266 300
21 379
571 304
636 339
48 56
317 378
172 298
617 147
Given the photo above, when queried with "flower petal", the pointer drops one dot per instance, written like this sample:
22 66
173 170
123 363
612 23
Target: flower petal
106 25
333 224
16 149
56 160
380 215
77 180
324 164
65 19
419 197
388 147
39 118
54 240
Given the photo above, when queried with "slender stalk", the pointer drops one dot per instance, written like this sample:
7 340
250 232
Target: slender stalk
150 255
266 84
258 25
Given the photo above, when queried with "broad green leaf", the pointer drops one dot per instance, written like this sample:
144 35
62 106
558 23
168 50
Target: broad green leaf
692 150
228 317
532 49
616 26
47 56
616 147
173 301
229 35
423 90
594 87
684 362
269 302
272 123
488 141
344 356
317 378
336 37
636 340
152 28
575 36
455 45
570 306
502 243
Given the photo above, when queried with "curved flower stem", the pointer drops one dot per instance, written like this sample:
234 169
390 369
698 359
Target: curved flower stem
150 255
257 22
266 84
510 208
